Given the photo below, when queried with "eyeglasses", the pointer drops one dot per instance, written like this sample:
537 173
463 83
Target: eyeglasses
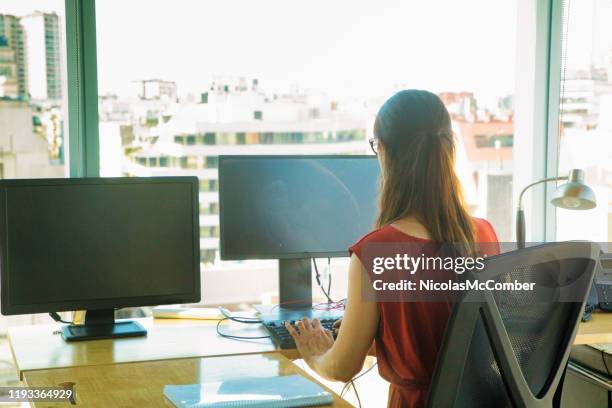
374 144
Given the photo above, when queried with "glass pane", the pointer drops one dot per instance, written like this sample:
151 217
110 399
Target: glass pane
585 136
33 125
181 82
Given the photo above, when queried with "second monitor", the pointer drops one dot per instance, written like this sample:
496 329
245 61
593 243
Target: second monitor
295 208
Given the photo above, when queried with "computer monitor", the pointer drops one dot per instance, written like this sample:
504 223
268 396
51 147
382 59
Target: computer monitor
294 208
98 244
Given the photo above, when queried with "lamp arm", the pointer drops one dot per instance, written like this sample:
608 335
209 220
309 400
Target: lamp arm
520 213
520 200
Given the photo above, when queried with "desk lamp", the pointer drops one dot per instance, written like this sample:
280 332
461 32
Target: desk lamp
573 195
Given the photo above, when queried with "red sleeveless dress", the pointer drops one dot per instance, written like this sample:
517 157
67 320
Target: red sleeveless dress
410 333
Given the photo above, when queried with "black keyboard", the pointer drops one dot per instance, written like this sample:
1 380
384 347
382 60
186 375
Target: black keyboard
281 337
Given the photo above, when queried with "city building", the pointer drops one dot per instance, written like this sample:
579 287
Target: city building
24 153
484 158
158 137
582 92
31 118
13 72
155 89
150 137
42 35
586 143
459 104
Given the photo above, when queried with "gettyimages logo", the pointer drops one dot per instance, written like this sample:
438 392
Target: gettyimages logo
428 272
412 264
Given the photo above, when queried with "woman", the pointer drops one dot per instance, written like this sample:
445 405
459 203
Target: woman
420 202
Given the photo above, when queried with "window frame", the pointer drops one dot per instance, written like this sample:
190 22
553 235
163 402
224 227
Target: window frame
82 73
555 44
537 112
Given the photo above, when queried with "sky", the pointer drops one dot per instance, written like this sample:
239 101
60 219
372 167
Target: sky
343 47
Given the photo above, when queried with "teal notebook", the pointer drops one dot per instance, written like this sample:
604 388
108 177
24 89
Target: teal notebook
274 392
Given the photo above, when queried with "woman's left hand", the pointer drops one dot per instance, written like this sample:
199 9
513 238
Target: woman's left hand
311 338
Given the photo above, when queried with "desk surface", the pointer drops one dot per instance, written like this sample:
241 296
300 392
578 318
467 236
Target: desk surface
141 384
37 347
596 330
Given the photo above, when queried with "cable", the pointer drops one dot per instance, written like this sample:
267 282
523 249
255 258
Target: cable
352 382
315 306
318 278
603 359
330 306
344 389
329 276
239 319
356 393
231 336
55 316
243 320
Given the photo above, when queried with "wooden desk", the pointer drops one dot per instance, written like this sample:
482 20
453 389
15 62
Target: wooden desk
37 347
141 384
596 331
40 346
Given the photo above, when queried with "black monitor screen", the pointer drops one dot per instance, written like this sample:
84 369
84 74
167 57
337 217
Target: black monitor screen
91 243
288 207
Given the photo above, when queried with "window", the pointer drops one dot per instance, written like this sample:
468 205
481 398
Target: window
209 232
33 126
585 118
239 97
207 256
209 185
212 162
240 138
33 120
209 138
209 208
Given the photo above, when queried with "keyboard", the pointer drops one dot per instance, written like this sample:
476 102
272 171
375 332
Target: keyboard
281 337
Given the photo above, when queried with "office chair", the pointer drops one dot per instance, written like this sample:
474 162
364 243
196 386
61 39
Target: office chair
510 348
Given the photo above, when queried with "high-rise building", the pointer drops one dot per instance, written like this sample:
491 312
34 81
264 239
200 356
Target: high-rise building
43 55
13 74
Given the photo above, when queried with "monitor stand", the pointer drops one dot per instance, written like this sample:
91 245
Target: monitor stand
100 324
295 294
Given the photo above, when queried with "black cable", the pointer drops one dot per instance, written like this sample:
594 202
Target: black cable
240 319
343 390
318 278
244 320
356 393
230 336
55 316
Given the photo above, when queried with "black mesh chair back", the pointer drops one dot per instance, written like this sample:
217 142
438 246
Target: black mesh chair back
510 348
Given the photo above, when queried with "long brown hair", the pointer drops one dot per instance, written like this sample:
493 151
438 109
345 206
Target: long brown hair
418 167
